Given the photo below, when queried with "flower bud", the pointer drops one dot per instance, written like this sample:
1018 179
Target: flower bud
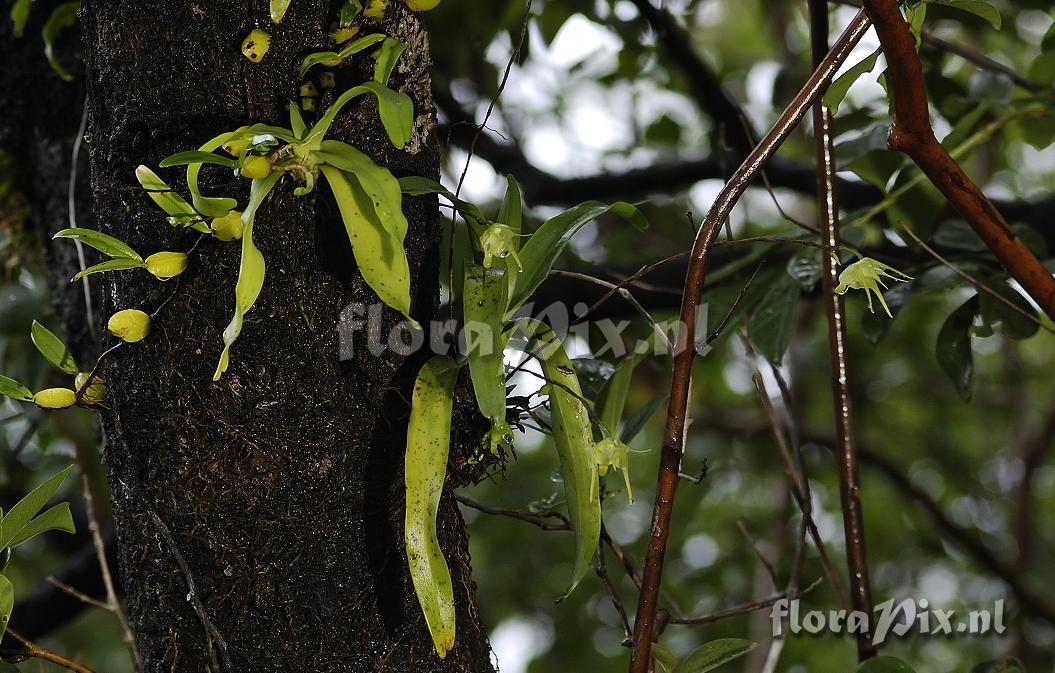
255 45
94 393
255 168
55 398
131 325
228 227
422 5
499 241
236 146
166 265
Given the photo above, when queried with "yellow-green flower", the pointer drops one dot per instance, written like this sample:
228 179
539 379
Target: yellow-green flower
255 45
867 274
94 393
376 9
229 227
423 5
609 454
130 325
55 398
166 265
499 241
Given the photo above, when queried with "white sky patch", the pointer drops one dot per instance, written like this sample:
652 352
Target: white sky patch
580 40
518 640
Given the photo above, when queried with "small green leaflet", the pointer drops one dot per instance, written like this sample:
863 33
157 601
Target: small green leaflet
976 7
15 390
181 213
387 58
56 518
414 185
111 265
545 245
278 9
484 305
19 16
53 349
837 90
198 157
250 273
885 665
335 58
953 348
108 245
428 445
710 656
7 602
63 16
20 516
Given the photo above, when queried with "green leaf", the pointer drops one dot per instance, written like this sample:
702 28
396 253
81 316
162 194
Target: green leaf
111 265
836 92
108 245
211 206
197 157
20 16
484 305
953 349
636 421
377 181
976 7
251 272
387 58
1013 324
56 518
53 349
885 665
179 211
278 9
15 390
296 120
772 325
1009 665
332 59
666 659
511 214
396 111
28 507
7 603
612 400
573 437
63 16
415 185
379 253
545 245
710 656
428 445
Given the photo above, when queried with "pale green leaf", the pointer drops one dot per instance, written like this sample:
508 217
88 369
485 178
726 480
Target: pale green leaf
56 518
428 445
53 349
484 302
377 181
15 390
179 211
710 656
108 245
387 58
278 9
197 157
28 507
396 111
612 400
111 265
332 59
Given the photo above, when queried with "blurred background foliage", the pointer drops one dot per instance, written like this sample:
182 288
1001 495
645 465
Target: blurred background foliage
953 475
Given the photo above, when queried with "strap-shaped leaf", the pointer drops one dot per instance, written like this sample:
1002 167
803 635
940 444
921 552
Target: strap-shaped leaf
53 349
108 245
396 111
56 518
511 214
415 185
197 157
250 273
573 437
546 244
278 9
379 253
210 206
175 206
377 181
484 304
62 17
428 444
710 656
111 265
612 400
296 120
15 390
387 58
7 603
28 507
331 59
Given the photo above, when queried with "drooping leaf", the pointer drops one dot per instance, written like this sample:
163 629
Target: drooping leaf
377 181
415 185
710 656
484 305
541 250
250 272
387 58
953 348
15 390
428 445
211 206
885 665
772 324
838 89
7 603
108 245
396 111
180 212
1012 323
62 17
197 157
666 659
612 400
111 265
53 349
573 437
977 7
278 9
57 518
380 255
332 59
28 507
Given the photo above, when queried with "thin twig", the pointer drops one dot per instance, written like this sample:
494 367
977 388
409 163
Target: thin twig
744 608
82 597
37 652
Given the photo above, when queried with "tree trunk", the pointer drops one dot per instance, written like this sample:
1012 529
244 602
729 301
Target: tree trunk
259 518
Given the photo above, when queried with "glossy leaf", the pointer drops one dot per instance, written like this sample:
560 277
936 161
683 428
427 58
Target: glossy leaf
885 665
428 445
62 17
484 305
396 111
175 206
545 245
838 89
377 181
53 349
772 324
111 265
108 245
7 603
15 390
278 9
387 58
710 656
57 518
211 206
250 272
1013 324
296 121
953 349
331 59
379 253
19 517
573 437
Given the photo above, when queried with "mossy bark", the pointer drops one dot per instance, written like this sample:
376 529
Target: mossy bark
281 485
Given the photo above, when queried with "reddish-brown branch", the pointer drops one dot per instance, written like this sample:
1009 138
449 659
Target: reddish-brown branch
673 442
37 652
913 135
838 344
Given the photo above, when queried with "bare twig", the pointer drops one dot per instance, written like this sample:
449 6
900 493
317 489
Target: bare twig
745 608
37 652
